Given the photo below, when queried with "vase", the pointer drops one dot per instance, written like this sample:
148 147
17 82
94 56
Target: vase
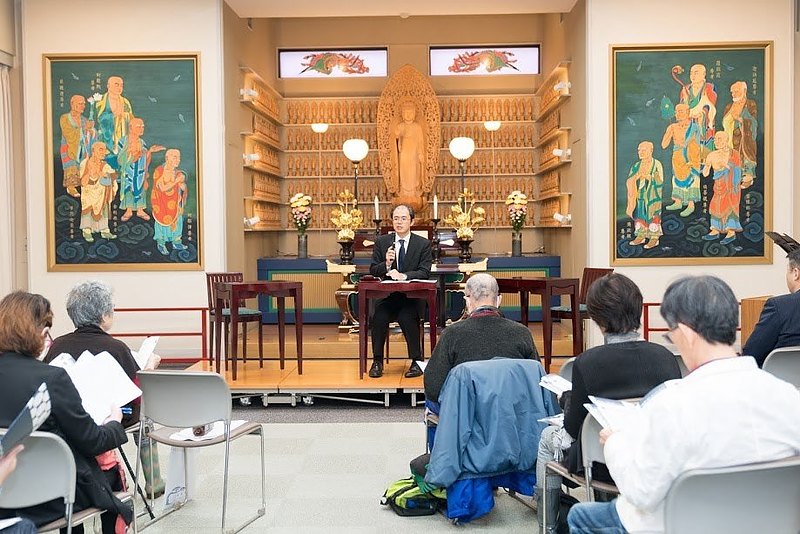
346 253
516 244
465 250
302 246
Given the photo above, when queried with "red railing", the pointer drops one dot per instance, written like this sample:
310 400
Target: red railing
182 333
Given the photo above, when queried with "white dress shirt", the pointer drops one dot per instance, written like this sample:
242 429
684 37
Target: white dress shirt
725 413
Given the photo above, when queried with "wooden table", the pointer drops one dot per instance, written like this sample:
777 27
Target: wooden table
377 289
234 292
546 288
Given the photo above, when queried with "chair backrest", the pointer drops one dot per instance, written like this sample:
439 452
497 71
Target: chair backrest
45 471
750 498
213 278
184 398
590 276
785 364
591 449
565 371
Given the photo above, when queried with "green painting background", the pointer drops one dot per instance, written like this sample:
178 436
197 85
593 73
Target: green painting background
641 79
162 92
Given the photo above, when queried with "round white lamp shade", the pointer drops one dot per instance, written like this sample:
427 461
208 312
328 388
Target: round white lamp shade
492 126
319 127
462 148
355 149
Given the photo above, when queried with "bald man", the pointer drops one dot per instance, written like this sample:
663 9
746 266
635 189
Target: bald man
76 136
484 335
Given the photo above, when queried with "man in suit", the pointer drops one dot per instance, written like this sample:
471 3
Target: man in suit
399 256
779 324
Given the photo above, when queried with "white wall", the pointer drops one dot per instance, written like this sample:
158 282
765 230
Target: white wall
7 38
143 26
636 22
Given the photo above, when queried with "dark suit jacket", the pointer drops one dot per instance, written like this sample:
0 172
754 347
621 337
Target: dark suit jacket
417 260
20 377
778 326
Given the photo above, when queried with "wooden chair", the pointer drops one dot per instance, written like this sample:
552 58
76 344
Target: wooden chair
246 315
590 276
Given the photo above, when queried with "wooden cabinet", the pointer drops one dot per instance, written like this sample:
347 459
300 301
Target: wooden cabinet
262 155
552 149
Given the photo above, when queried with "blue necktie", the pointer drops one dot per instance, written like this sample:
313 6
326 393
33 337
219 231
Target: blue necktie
401 256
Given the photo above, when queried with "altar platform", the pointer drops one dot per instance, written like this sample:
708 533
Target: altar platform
330 366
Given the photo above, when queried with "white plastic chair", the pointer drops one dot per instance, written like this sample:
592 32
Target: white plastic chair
760 497
566 369
182 399
785 364
46 471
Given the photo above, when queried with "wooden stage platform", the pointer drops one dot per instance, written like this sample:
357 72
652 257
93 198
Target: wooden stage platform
330 366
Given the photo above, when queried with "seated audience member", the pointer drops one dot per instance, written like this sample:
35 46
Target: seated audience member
484 335
715 417
25 321
625 366
779 324
8 462
91 309
402 255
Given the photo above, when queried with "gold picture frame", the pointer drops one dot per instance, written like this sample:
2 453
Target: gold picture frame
691 153
123 162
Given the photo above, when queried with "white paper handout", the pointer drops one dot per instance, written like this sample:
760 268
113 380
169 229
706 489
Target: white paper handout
145 351
217 429
613 414
553 420
100 381
555 383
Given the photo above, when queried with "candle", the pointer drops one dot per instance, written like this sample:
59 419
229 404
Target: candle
377 209
435 207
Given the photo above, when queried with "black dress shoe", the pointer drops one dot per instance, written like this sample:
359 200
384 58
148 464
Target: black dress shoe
413 371
376 371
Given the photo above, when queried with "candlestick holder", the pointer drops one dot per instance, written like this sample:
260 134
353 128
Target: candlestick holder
377 227
436 247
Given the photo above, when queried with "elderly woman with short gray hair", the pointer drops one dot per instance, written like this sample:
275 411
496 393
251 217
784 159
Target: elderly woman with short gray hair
90 306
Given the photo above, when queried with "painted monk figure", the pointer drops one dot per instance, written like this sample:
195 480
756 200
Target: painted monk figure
740 122
728 185
168 200
76 136
113 113
98 187
701 97
133 162
644 185
686 154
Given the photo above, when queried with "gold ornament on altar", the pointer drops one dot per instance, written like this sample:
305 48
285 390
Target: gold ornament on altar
465 217
347 218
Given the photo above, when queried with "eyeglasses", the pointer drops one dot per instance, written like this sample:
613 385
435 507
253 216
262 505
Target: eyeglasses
401 219
48 339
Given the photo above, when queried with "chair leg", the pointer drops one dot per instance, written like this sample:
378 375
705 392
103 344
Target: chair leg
225 473
226 326
260 344
244 342
386 348
211 340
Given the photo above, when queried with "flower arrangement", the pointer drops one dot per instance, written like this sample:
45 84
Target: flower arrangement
92 100
517 209
465 217
300 205
347 217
